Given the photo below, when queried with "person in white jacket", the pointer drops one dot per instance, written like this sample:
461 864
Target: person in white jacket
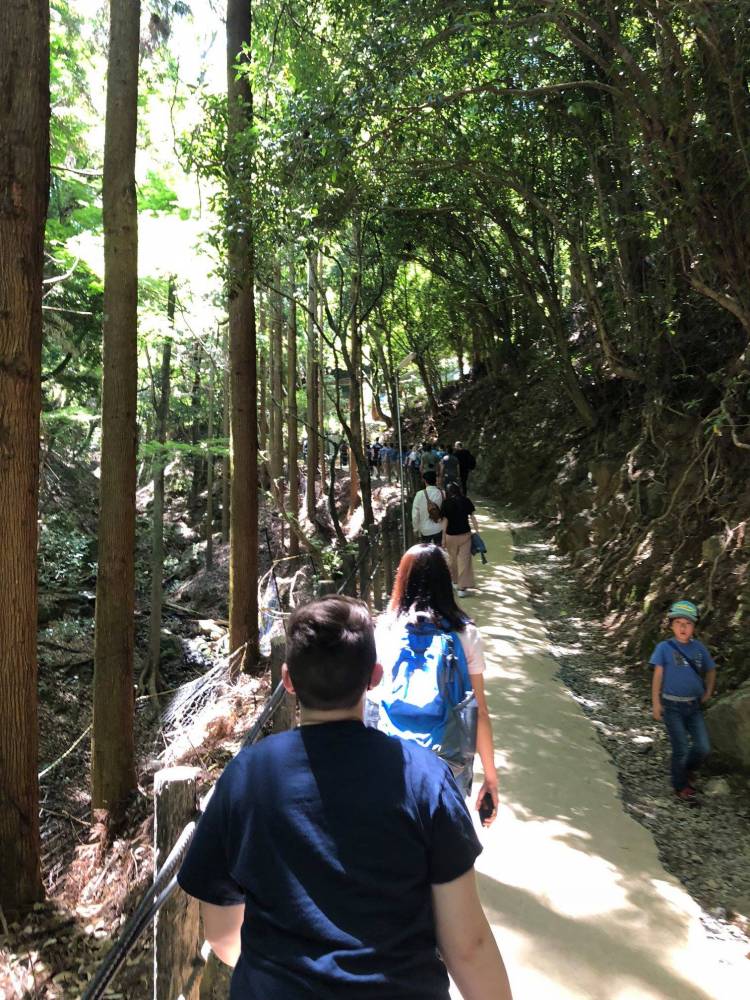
428 528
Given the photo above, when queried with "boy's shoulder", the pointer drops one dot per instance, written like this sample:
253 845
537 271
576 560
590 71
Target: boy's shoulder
661 650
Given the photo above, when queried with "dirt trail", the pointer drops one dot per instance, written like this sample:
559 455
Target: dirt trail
573 886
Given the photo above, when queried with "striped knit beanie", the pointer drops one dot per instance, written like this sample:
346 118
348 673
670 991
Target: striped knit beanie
683 609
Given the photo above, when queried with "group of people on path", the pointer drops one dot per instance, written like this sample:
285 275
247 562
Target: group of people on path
337 859
443 514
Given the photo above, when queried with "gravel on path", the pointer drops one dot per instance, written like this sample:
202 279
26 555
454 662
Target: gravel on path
708 847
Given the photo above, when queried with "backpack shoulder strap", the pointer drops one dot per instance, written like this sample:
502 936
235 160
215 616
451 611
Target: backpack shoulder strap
676 648
454 663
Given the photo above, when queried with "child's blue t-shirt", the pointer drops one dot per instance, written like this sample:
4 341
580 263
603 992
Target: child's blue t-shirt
680 679
332 836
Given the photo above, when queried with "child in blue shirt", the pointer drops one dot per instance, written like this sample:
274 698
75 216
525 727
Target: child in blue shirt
683 681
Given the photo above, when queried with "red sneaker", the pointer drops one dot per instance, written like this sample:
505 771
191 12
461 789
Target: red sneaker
687 795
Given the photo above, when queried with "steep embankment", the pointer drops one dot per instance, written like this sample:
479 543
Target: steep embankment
651 504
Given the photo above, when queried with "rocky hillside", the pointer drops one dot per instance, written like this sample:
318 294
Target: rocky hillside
650 505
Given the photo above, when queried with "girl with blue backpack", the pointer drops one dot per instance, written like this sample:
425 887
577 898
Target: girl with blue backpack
433 672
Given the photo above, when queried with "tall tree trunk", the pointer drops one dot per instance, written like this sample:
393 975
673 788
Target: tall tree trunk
276 364
277 378
157 514
112 759
355 370
263 414
322 398
210 472
313 377
195 434
292 429
243 559
264 421
24 186
226 407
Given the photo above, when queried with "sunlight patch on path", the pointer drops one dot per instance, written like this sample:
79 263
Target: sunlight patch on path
579 901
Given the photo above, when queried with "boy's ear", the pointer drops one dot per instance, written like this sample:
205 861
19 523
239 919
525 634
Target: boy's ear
286 678
376 676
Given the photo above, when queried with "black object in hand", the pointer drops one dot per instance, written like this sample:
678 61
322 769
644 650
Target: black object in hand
486 807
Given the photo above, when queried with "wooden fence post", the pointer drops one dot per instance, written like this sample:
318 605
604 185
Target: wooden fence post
177 935
285 714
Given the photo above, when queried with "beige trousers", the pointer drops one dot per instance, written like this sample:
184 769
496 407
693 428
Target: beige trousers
458 548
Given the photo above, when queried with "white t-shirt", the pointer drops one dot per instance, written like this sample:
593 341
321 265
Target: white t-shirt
420 518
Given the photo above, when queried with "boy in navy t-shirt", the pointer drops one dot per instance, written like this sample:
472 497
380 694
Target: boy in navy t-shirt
683 681
332 860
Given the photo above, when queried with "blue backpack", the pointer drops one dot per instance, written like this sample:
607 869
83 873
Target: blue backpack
430 699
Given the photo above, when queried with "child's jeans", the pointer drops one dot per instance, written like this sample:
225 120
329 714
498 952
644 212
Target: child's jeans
688 736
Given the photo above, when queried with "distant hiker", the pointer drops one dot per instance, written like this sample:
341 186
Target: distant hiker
344 454
458 510
466 463
375 450
333 860
414 462
387 455
426 511
449 468
429 460
683 681
423 613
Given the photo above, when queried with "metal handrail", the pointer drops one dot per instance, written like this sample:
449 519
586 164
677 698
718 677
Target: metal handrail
158 893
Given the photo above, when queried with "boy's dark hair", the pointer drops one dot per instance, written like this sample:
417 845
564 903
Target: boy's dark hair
330 652
429 476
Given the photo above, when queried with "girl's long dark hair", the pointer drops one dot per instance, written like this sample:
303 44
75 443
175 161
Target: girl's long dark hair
423 583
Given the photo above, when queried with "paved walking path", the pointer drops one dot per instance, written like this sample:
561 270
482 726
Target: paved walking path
574 889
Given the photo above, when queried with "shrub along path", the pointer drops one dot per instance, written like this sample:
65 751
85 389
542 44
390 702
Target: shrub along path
573 886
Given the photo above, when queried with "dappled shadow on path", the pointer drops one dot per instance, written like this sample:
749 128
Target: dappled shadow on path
570 881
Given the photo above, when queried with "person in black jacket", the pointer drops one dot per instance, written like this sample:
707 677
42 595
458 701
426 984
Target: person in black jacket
466 462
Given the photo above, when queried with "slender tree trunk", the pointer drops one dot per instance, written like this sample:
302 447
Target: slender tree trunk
355 368
263 414
24 186
276 364
195 435
210 472
265 424
292 429
225 431
243 560
313 377
322 399
428 387
277 378
113 764
157 513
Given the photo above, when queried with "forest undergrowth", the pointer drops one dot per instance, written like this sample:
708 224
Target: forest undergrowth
94 875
